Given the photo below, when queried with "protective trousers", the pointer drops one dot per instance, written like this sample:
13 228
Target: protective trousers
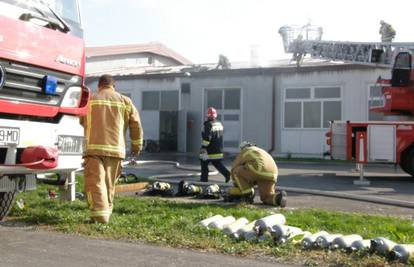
101 174
218 163
245 179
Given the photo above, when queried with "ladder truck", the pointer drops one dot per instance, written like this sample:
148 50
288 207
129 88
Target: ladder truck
389 141
42 94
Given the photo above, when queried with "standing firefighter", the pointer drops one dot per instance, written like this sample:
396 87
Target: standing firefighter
109 116
212 146
387 32
254 165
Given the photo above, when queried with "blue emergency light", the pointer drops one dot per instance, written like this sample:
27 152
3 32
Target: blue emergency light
49 85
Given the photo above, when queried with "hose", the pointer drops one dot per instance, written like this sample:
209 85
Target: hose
378 200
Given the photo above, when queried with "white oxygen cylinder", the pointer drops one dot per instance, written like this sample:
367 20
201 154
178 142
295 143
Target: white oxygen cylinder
303 234
382 245
207 221
402 252
326 240
358 245
247 232
282 232
235 226
309 241
221 223
266 223
343 242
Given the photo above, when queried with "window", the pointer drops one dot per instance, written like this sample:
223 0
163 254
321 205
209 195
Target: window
312 114
298 93
293 115
312 107
232 99
160 100
169 100
214 98
375 100
150 100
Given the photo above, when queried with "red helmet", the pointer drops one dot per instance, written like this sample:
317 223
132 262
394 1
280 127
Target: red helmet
211 113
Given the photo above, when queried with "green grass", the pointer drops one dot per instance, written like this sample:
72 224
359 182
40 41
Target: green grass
168 223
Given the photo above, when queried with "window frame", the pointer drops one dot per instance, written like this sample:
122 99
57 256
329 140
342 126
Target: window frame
312 98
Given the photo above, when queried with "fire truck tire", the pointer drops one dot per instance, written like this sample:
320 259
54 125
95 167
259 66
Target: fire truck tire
407 161
6 203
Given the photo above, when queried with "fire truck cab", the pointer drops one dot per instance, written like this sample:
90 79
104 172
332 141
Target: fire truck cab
42 93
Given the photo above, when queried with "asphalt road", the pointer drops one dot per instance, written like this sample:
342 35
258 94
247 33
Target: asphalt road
386 181
25 247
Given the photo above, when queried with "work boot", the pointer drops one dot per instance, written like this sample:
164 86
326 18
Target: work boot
281 198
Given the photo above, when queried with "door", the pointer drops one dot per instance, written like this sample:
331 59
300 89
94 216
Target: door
227 102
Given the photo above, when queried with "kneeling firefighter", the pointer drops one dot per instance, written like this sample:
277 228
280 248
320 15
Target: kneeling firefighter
254 165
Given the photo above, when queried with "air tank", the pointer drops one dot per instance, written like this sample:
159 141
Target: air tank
266 223
161 186
359 245
402 252
309 241
221 223
282 232
247 230
294 237
235 226
381 245
326 240
343 242
207 221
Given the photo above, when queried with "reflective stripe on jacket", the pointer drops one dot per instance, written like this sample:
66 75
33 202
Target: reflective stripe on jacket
109 116
258 161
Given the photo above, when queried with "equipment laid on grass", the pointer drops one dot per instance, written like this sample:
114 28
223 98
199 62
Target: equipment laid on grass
359 245
326 240
266 223
209 220
247 232
160 188
381 245
281 233
344 242
402 252
310 241
221 223
235 226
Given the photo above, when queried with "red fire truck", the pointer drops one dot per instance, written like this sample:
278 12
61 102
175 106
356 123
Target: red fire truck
42 92
388 141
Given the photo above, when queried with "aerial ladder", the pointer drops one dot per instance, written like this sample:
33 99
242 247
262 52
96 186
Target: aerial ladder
388 141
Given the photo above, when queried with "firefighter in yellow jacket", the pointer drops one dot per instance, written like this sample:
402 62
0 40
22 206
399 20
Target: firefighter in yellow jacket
254 165
109 116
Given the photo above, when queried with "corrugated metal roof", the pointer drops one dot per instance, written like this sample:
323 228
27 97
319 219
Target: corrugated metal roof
154 48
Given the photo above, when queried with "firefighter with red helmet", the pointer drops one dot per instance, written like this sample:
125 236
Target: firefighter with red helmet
212 146
109 116
254 165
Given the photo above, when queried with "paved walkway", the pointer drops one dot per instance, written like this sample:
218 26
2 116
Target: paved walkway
24 247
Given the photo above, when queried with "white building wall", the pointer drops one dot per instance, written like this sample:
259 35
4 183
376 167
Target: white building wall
354 84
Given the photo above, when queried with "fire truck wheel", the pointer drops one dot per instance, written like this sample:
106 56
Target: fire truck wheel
407 161
6 203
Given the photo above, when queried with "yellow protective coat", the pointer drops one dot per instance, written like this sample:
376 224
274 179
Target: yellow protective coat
109 116
253 166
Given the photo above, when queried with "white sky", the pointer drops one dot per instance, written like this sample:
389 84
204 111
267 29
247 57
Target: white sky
201 29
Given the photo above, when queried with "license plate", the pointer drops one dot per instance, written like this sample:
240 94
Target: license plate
9 136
